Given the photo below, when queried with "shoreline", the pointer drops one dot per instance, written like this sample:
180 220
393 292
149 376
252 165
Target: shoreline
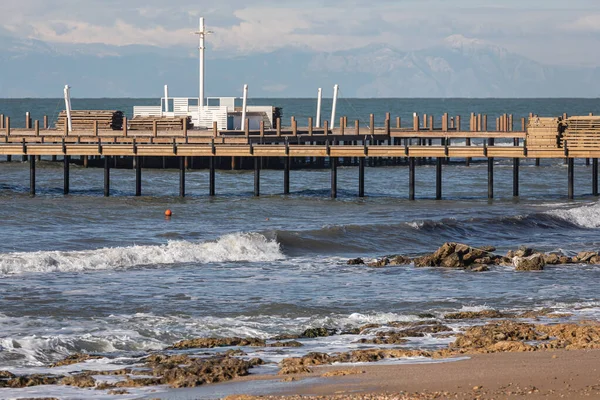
572 374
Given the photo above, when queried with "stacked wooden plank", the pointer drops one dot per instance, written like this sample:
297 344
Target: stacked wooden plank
582 132
162 123
543 133
84 120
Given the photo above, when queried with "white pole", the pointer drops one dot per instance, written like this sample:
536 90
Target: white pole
244 102
201 34
68 107
319 99
166 98
335 96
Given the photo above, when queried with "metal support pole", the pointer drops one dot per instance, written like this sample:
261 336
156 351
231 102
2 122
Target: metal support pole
411 178
32 175
361 177
516 164
438 178
256 176
181 176
286 175
319 101
138 176
594 176
106 176
66 183
211 166
333 162
490 178
571 173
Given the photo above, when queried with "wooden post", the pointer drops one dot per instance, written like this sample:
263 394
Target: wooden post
516 162
594 176
37 127
215 129
45 122
154 128
211 167
257 175
326 127
484 123
286 175
1 121
411 178
457 123
262 129
438 179
310 126
66 177
472 123
106 176
85 161
357 127
416 122
96 128
361 177
294 127
372 124
125 128
479 123
278 126
32 176
445 122
181 176
431 123
398 123
333 164
571 177
425 119
138 176
490 178
387 127
184 126
342 125
523 125
510 123
7 126
247 127
27 120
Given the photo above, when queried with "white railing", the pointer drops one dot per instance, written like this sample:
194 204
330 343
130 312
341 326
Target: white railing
147 111
208 116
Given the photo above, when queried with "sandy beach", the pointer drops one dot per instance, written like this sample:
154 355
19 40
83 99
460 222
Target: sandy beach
536 375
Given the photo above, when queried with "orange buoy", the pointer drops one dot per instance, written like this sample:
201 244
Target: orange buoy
168 213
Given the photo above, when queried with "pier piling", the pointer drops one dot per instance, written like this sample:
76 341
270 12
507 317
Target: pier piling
333 163
286 175
181 176
257 176
595 177
211 178
411 178
106 176
138 176
66 177
32 176
361 177
438 178
490 178
516 164
571 177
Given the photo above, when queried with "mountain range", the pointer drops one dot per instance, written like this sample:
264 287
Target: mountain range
457 67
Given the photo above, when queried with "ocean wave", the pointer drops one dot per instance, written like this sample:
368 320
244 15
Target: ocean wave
587 216
235 247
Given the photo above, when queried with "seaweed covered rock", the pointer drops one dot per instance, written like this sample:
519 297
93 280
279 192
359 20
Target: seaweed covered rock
75 359
209 343
312 333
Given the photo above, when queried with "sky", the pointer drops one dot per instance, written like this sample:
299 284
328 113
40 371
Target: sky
560 32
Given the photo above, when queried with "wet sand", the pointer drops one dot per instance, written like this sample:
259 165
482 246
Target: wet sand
536 375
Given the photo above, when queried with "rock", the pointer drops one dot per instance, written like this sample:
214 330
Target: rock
117 392
484 260
524 252
446 250
552 259
6 374
452 261
478 268
294 369
292 343
565 260
586 256
487 249
312 333
388 338
75 359
425 261
209 343
400 260
355 261
235 352
298 365
342 372
285 337
534 262
498 337
485 314
573 336
80 381
510 254
379 263
595 260
30 380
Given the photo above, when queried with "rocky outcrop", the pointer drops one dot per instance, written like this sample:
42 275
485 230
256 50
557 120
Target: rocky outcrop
390 261
534 262
291 343
459 256
75 359
317 332
485 314
209 343
30 380
80 381
356 261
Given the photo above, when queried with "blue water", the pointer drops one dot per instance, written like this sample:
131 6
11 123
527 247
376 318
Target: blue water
114 276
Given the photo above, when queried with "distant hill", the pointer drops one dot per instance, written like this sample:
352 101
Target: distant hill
458 67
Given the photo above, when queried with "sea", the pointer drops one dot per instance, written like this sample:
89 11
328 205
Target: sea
113 276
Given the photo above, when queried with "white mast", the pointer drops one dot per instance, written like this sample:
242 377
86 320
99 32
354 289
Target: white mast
244 102
201 34
68 107
319 99
335 97
166 98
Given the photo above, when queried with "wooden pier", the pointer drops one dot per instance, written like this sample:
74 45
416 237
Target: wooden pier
563 137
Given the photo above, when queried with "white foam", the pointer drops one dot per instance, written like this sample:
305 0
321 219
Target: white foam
587 216
229 248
